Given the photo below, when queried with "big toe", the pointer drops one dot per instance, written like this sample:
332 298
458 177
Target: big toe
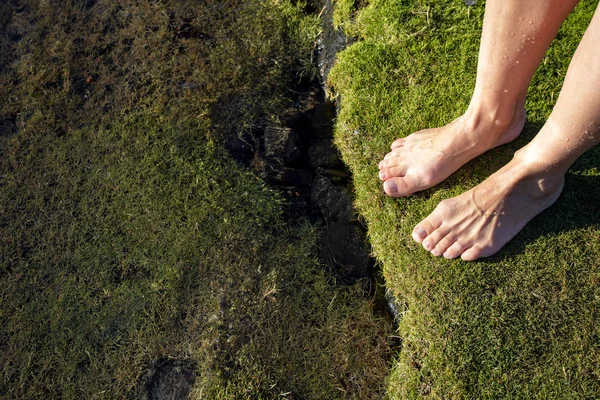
426 228
401 186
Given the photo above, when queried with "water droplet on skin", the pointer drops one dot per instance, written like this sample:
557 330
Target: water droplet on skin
505 91
516 62
530 22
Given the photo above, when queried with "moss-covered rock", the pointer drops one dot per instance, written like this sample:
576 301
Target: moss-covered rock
523 323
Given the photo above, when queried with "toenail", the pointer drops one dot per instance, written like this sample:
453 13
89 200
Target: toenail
381 175
381 164
391 186
435 252
427 245
419 233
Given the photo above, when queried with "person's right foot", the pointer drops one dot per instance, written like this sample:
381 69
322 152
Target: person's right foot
425 158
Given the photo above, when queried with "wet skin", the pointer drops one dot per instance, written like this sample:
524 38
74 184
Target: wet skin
479 222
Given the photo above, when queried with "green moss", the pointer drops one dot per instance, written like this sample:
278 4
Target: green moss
342 13
520 324
127 233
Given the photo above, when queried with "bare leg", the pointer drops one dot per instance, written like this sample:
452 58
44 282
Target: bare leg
479 222
515 36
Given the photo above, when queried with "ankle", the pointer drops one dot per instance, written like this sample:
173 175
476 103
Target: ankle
493 115
534 159
533 167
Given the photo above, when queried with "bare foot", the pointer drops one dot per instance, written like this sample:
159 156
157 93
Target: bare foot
481 221
426 158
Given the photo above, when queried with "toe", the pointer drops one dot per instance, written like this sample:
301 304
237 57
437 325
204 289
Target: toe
385 168
454 250
389 161
397 143
471 254
401 186
390 186
394 171
395 153
433 239
425 228
443 245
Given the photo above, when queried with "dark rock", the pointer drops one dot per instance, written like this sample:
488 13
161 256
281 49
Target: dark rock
285 176
290 117
321 118
331 40
337 176
335 202
172 379
240 149
343 247
297 207
281 143
309 99
393 306
324 154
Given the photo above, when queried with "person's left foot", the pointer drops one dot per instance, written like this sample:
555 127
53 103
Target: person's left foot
481 221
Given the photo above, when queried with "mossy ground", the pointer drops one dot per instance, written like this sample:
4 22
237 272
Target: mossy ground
128 235
523 323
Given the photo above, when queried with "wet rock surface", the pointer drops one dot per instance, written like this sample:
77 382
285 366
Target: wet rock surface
343 243
330 42
324 155
295 154
334 201
394 307
343 247
281 143
172 380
